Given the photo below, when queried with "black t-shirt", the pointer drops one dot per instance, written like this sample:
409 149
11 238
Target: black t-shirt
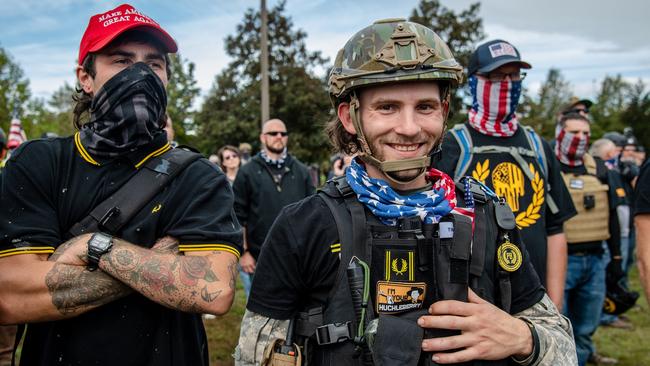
300 258
642 190
49 185
502 173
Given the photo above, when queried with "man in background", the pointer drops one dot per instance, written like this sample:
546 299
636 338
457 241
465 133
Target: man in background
272 179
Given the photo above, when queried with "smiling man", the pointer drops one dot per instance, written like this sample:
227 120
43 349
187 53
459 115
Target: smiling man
107 289
392 263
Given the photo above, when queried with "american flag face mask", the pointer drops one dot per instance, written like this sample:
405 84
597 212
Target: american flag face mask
571 147
493 106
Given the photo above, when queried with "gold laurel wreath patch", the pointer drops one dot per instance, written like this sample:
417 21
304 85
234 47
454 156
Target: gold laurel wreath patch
481 171
399 271
531 215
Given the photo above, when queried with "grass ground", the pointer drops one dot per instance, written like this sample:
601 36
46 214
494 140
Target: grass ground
630 347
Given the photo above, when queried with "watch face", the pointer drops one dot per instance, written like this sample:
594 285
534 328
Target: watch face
101 242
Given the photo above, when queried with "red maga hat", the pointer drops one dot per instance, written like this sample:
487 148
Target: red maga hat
105 27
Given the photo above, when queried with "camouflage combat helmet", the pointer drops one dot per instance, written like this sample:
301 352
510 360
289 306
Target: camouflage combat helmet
390 51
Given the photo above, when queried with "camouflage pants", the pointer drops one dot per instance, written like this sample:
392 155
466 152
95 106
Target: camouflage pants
7 338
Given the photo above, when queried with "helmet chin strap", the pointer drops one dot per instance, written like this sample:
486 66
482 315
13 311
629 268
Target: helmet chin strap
422 163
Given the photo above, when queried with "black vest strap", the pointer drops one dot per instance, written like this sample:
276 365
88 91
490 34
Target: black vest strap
117 210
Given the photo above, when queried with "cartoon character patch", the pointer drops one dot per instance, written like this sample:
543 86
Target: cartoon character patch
398 297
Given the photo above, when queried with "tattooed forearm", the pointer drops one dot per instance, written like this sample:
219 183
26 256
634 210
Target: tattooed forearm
75 289
187 283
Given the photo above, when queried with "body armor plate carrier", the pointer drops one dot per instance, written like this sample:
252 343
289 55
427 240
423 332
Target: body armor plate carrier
410 267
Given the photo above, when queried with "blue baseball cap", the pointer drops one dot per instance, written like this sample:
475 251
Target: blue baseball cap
492 55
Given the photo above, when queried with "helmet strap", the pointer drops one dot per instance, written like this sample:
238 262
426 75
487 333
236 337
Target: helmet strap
423 163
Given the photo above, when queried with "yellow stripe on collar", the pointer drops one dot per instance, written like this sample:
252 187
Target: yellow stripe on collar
82 151
160 151
26 250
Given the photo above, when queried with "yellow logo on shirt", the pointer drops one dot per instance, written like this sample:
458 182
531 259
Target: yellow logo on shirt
509 182
156 208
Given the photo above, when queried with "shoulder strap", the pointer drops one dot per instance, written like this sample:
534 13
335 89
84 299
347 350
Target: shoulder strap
590 164
465 143
117 210
535 143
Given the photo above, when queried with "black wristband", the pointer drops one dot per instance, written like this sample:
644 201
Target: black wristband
532 358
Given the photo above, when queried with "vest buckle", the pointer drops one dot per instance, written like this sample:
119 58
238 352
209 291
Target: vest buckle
333 333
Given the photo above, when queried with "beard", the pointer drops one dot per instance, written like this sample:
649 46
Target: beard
405 175
275 150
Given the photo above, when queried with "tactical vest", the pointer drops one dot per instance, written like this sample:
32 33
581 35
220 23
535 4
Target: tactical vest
590 197
410 267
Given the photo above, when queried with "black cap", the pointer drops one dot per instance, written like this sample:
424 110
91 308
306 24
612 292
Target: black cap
493 54
616 137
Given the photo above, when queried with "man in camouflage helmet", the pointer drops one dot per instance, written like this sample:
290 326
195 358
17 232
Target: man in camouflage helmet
335 280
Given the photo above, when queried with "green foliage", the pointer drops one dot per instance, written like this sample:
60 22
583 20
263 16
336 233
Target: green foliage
461 31
14 90
541 113
231 112
612 100
181 93
637 114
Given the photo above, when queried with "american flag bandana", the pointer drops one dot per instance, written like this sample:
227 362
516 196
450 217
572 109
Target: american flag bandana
388 205
570 148
493 106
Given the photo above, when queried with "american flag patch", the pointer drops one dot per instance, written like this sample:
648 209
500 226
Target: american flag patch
502 49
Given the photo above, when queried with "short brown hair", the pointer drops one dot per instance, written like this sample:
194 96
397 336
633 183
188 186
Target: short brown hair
224 149
83 100
344 142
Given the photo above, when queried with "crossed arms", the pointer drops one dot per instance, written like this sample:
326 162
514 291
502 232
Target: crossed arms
36 288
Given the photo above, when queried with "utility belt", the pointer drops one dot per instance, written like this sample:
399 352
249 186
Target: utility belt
387 279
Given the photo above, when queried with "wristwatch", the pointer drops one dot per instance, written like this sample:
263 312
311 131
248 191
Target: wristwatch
98 245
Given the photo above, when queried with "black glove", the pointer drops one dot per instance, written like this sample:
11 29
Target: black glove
615 271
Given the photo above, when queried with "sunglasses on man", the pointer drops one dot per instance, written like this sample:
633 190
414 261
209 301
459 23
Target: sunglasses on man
277 133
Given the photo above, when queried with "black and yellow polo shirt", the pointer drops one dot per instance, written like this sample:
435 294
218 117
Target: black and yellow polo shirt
50 184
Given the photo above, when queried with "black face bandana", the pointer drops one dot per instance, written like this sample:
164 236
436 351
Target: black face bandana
125 113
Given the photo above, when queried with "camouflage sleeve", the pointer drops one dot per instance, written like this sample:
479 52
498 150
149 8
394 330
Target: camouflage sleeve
257 331
555 335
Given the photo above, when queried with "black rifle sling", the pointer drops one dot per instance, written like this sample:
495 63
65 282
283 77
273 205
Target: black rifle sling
118 209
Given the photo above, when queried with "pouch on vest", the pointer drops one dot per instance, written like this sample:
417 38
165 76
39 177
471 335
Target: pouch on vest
398 340
274 357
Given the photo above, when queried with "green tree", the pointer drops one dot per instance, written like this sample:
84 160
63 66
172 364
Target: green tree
613 97
231 112
637 113
14 90
461 31
181 93
541 112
